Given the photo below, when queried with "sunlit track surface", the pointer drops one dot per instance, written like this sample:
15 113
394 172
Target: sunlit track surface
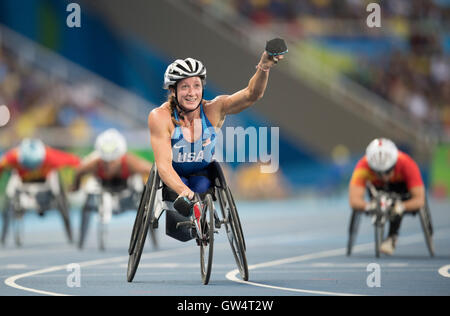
294 247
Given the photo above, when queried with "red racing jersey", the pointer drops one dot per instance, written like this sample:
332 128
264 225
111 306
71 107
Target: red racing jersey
405 171
124 172
54 159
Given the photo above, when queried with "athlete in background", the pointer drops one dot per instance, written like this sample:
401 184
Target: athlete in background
110 163
34 161
389 169
116 184
36 165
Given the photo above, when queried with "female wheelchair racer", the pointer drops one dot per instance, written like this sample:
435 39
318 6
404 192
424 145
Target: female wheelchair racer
183 138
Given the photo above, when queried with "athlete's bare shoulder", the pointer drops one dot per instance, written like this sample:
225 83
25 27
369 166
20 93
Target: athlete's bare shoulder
160 114
213 110
214 103
159 118
161 111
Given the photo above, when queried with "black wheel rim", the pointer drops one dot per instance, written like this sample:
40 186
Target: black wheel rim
207 245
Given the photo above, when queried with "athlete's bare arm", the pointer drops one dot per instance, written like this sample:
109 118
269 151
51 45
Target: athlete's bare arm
86 167
417 199
159 122
357 202
138 165
356 197
239 101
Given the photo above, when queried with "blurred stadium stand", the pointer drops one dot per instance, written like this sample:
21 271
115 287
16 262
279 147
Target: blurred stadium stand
406 61
340 104
329 99
63 104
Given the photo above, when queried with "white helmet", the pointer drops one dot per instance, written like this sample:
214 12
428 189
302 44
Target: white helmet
31 153
381 154
111 145
182 69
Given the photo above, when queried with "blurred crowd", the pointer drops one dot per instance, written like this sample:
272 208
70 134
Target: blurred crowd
416 80
263 12
36 99
414 75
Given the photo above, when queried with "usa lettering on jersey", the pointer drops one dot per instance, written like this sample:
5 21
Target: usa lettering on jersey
191 157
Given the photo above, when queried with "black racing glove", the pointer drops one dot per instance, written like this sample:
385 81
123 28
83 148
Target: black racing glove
183 205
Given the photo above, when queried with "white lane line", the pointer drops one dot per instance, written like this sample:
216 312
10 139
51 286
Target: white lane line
445 271
330 253
232 275
354 265
11 281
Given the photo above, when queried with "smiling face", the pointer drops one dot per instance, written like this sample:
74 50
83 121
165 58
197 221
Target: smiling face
190 92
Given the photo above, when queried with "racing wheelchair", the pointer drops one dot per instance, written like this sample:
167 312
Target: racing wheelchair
157 198
40 196
383 212
108 199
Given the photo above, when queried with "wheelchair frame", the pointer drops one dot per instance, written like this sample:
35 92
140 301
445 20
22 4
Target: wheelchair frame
14 211
94 203
380 219
151 208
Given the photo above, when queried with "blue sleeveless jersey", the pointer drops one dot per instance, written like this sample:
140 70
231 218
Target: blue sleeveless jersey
190 158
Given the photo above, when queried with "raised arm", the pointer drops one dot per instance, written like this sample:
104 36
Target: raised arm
239 101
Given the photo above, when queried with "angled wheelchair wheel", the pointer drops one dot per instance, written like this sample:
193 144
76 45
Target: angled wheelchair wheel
353 231
238 220
85 219
17 215
18 227
379 233
63 207
427 227
144 217
139 215
6 218
207 244
234 230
